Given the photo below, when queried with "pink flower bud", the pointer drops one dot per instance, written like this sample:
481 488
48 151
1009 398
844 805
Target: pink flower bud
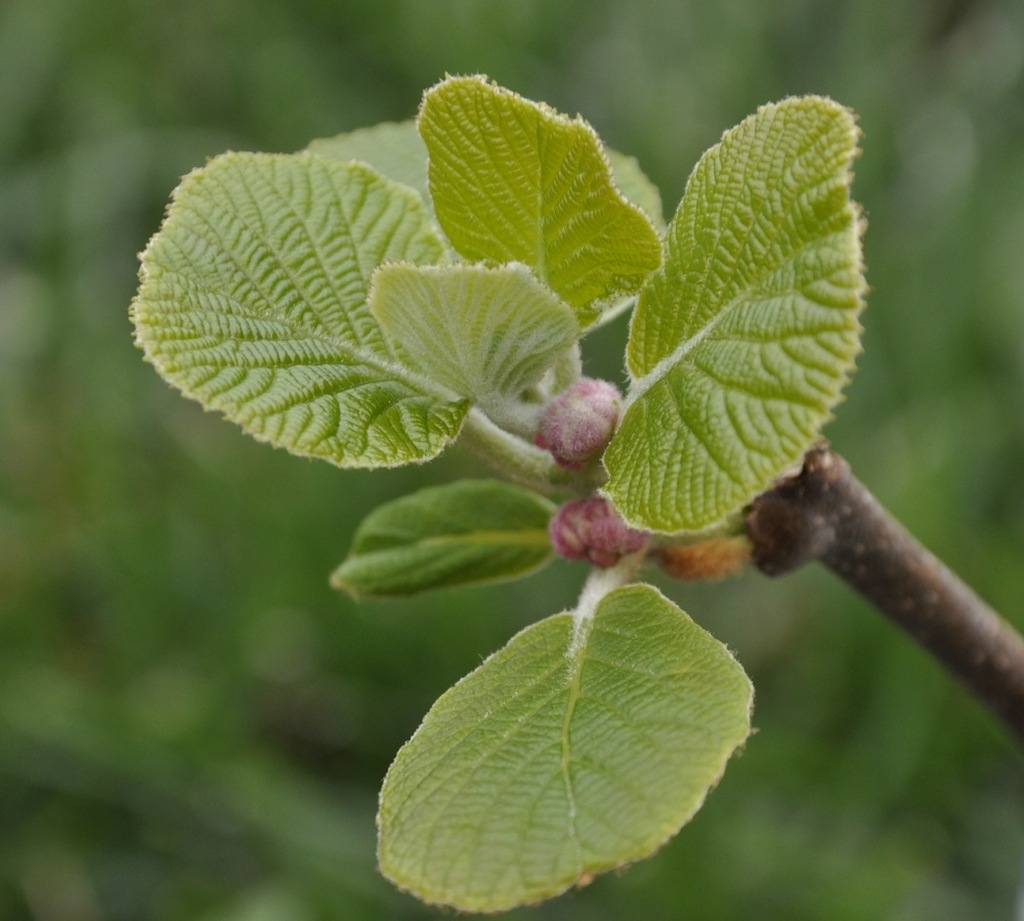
578 423
590 529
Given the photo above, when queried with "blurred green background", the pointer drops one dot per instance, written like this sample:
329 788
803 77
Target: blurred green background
193 726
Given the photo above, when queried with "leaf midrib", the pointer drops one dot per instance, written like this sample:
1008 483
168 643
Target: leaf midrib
749 294
527 538
639 386
361 353
300 221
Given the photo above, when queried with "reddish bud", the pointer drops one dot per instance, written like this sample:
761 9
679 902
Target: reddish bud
590 529
578 423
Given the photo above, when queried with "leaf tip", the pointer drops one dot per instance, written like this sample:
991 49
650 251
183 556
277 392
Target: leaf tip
338 582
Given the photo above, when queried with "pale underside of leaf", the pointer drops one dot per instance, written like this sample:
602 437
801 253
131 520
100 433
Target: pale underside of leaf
486 333
393 149
634 183
253 302
462 533
514 181
565 754
740 345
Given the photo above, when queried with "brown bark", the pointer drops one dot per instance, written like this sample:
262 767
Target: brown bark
824 513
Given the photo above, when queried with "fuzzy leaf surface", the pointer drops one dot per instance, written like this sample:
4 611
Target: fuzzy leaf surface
253 302
396 150
581 746
740 345
393 149
486 333
514 181
463 533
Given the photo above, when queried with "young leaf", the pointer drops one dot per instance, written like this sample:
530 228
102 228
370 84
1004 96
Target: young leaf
583 745
514 181
485 333
253 302
396 150
463 533
740 345
393 149
634 183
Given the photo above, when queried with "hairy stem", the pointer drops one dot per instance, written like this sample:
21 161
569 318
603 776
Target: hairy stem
824 513
513 457
521 462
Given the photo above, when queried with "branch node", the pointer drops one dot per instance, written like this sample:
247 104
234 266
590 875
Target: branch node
822 512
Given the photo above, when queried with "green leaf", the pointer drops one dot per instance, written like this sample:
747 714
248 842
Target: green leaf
583 745
464 533
253 302
393 149
485 333
633 182
514 181
396 150
740 345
